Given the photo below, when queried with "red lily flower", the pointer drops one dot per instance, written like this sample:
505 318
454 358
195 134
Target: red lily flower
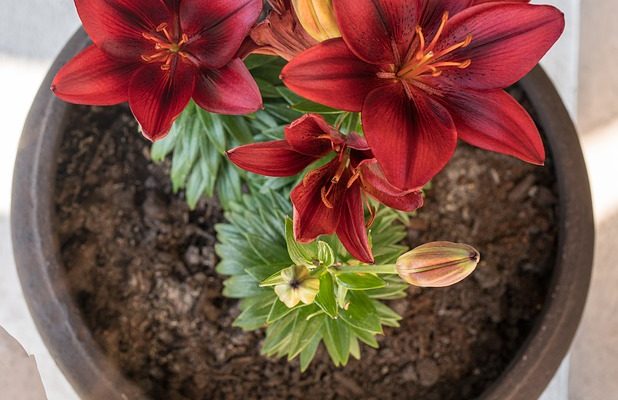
280 34
330 198
422 79
158 54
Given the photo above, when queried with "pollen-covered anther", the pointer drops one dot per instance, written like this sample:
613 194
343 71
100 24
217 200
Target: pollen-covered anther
425 60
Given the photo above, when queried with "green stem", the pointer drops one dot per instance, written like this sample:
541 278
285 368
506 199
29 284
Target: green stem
376 269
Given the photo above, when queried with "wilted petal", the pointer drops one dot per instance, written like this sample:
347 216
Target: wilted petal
312 216
157 97
331 74
229 90
351 230
93 78
508 40
375 184
311 135
493 120
116 27
308 290
378 31
287 295
274 158
217 28
412 139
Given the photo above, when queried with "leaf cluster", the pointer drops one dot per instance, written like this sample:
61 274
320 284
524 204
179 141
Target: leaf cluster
255 246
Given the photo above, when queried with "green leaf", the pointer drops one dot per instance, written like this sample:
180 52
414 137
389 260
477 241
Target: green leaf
354 347
361 313
305 330
278 334
326 256
360 281
366 337
336 335
254 314
280 310
384 311
307 355
341 295
214 129
307 106
326 296
240 286
257 60
301 254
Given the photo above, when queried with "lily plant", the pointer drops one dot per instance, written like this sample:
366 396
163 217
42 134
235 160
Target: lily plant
317 124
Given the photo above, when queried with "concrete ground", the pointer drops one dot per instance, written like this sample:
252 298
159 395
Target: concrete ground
33 31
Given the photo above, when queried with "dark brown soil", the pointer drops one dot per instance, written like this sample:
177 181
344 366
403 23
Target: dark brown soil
141 267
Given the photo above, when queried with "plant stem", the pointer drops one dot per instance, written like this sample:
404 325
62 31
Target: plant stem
375 269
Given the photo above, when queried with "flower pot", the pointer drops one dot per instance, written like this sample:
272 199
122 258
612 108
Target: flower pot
62 325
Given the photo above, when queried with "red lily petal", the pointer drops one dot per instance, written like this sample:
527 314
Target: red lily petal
157 97
311 135
433 10
217 28
312 217
351 229
93 78
229 90
331 65
412 139
378 31
116 27
495 121
508 40
375 184
274 158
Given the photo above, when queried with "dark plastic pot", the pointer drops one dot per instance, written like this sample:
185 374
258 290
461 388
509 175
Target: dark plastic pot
71 344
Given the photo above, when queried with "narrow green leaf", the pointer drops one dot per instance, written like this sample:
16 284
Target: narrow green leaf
354 347
257 60
301 254
361 313
336 335
366 337
240 286
307 106
280 310
326 296
360 281
326 256
273 280
304 331
307 355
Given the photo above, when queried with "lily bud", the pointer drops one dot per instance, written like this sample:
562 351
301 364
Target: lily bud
318 18
438 264
298 286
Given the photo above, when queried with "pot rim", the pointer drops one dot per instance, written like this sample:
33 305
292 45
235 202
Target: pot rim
72 346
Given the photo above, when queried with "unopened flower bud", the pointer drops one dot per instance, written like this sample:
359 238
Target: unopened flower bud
318 18
298 286
438 264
